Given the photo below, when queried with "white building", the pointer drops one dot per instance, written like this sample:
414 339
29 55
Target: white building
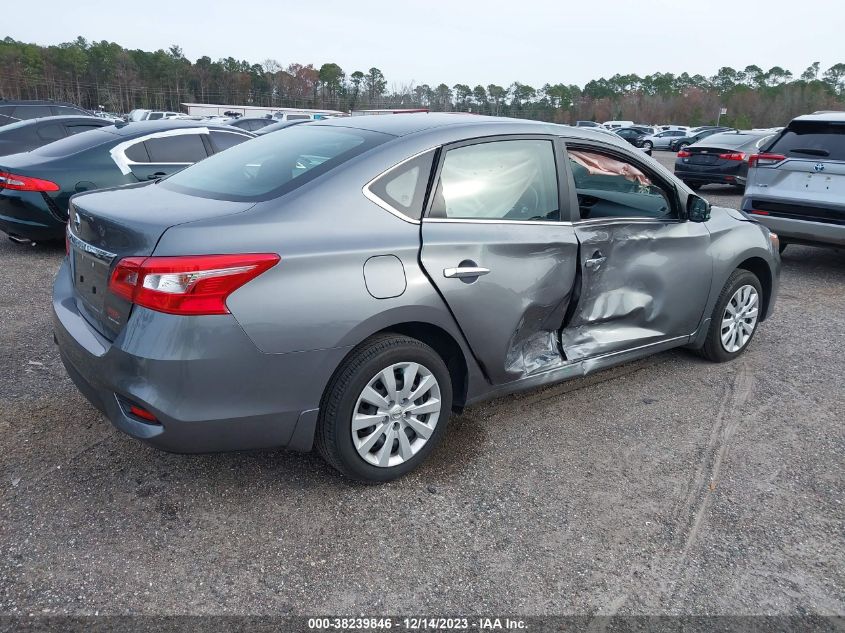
213 109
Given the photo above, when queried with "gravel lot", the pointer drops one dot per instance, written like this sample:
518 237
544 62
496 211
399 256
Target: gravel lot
669 485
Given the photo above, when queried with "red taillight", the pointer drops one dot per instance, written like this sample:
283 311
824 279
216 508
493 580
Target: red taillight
17 182
763 160
684 154
733 156
758 212
142 413
189 285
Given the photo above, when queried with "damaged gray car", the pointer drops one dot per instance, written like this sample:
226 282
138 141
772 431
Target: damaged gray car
352 282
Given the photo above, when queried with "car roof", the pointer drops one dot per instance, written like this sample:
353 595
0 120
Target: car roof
832 116
406 124
136 128
36 102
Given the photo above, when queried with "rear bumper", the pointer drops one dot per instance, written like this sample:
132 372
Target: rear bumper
789 229
26 214
207 384
710 175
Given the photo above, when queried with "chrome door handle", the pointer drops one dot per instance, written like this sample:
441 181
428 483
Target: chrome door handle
464 271
595 262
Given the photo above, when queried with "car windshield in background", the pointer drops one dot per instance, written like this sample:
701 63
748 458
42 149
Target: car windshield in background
812 139
76 143
274 164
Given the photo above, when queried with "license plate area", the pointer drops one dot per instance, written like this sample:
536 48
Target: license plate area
91 279
703 159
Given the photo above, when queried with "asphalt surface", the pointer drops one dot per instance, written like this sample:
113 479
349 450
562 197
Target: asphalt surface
669 485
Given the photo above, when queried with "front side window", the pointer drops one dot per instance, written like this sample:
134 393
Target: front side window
500 180
32 112
62 110
225 140
181 148
612 187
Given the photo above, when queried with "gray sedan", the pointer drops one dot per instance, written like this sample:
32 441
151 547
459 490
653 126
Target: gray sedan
662 139
350 283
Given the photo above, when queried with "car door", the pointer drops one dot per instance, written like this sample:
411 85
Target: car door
645 271
496 250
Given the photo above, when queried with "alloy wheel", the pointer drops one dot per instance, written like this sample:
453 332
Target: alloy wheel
740 318
395 414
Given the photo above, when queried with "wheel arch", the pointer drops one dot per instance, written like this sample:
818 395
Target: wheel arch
760 269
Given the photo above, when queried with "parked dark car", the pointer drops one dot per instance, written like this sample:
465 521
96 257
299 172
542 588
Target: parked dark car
13 111
694 136
279 125
24 136
350 283
251 124
633 135
35 186
721 158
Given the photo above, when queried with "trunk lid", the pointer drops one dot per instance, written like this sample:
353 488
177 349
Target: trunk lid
108 225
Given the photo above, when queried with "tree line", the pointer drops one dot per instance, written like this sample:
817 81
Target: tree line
104 74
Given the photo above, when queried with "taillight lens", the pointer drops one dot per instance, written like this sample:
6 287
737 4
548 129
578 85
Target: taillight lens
762 160
733 156
684 154
189 285
17 182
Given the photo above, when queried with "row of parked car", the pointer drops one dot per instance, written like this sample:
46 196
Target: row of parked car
46 160
347 284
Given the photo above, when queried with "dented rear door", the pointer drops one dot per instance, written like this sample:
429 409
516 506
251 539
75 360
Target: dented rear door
494 246
645 271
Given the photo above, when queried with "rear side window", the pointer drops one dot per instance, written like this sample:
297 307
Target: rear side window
274 164
613 187
76 129
811 139
51 132
225 140
76 143
68 110
182 148
32 112
403 187
505 180
137 153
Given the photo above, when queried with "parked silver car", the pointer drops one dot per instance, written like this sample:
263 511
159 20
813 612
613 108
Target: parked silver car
662 140
796 185
352 282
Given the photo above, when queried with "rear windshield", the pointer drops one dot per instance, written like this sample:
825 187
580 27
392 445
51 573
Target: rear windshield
274 164
812 139
76 143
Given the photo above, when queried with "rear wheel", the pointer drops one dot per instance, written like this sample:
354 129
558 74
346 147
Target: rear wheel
735 317
385 409
648 146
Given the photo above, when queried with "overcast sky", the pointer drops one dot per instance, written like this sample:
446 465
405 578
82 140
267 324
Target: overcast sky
466 41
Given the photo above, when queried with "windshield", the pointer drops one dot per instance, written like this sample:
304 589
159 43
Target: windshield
274 164
76 143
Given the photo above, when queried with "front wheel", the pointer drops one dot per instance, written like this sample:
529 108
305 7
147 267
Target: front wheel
648 146
385 409
735 317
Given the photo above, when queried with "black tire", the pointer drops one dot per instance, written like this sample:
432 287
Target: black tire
648 146
334 432
713 349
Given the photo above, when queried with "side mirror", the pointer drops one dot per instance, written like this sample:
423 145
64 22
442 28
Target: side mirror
698 209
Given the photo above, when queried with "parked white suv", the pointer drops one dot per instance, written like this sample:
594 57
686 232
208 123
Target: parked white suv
796 185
